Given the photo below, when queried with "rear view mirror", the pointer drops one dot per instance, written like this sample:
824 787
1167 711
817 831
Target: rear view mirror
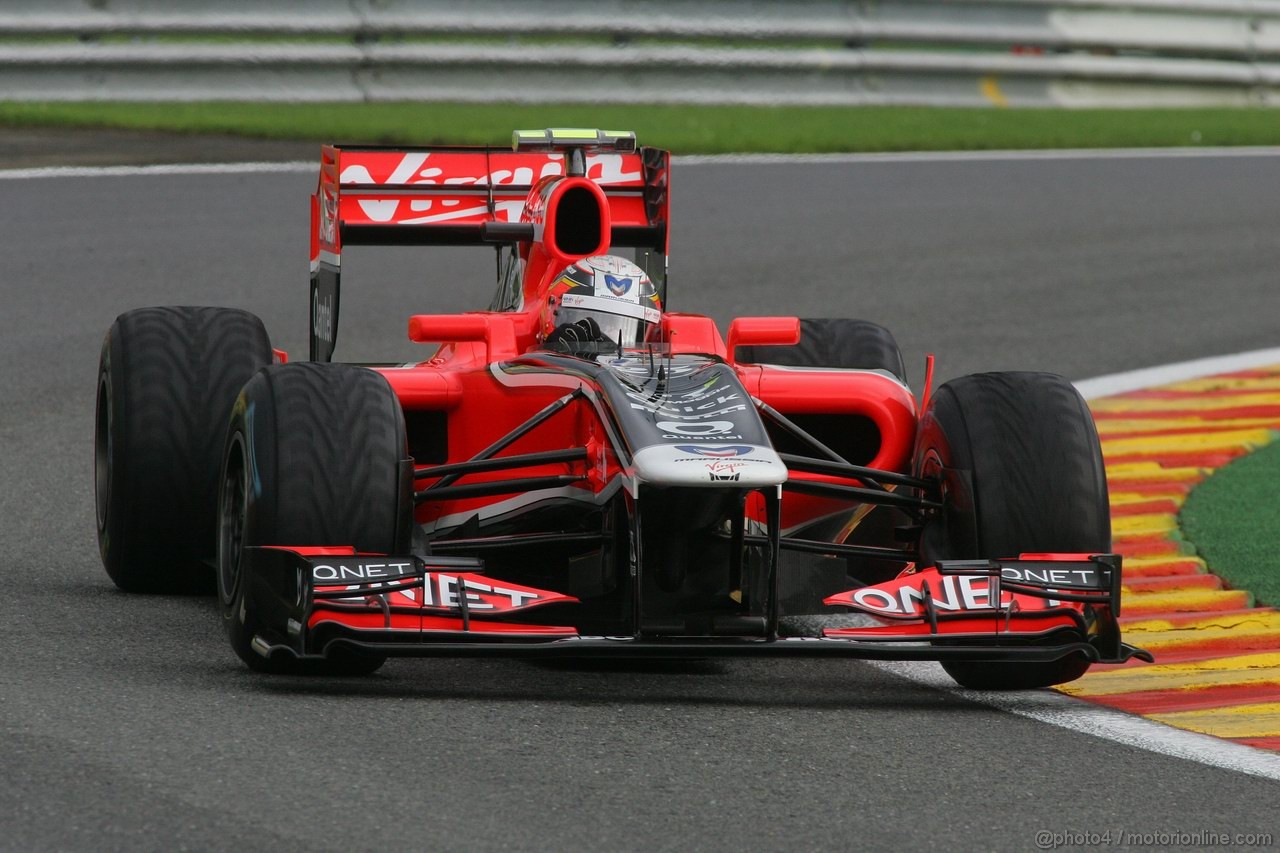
762 331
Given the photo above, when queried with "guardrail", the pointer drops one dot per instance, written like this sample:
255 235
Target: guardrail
949 52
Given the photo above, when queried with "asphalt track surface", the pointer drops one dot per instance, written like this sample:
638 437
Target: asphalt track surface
127 723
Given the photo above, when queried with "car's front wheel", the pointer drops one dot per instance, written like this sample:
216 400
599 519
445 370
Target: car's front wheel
314 457
1022 469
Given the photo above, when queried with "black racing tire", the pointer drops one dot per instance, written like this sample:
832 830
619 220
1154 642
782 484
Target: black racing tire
326 447
1022 472
833 342
166 380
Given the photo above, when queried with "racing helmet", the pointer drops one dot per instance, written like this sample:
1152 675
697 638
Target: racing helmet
599 299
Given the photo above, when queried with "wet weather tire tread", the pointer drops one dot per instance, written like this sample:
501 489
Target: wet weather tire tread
340 437
1030 478
174 374
326 445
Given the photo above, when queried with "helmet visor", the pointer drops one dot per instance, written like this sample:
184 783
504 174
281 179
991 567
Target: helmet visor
614 317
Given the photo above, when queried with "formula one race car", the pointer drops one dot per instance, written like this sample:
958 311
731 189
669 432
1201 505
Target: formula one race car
576 472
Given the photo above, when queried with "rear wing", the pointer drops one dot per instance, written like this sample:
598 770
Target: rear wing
380 196
442 196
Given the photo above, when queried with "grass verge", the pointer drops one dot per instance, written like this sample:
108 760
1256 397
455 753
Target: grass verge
683 129
1234 520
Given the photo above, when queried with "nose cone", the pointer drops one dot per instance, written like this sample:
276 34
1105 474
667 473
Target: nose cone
710 465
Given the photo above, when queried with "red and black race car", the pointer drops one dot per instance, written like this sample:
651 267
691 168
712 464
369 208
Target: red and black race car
576 472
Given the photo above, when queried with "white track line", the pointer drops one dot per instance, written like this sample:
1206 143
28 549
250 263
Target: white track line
167 169
1057 709
982 156
697 160
1136 380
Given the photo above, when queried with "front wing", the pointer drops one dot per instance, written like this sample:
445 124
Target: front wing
308 601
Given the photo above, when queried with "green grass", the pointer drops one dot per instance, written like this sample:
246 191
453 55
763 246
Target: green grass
1234 520
685 130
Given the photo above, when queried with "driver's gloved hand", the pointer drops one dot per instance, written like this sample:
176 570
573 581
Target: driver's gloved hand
572 336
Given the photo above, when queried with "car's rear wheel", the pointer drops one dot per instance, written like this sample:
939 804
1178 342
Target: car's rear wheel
314 457
1022 470
166 381
833 342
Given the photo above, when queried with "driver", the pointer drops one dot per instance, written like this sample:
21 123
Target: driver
600 300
